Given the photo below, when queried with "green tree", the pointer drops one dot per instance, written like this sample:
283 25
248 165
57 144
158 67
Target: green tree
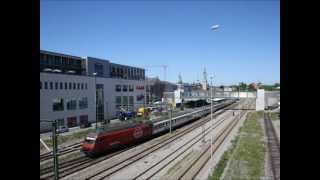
243 86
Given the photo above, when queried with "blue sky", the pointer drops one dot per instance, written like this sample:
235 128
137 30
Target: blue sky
177 34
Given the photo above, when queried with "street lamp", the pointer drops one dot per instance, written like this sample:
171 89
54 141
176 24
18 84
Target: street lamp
214 28
95 97
211 116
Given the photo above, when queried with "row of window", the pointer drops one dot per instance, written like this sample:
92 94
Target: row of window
124 88
72 121
61 85
48 59
120 72
71 104
127 73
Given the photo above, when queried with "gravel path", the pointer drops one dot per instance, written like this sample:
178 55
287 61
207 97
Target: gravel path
276 125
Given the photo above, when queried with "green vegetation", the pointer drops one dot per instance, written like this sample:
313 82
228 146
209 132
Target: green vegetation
244 87
275 116
247 153
70 137
223 161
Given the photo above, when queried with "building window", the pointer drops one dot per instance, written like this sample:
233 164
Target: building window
83 103
61 85
86 86
60 123
113 72
78 86
74 85
65 85
51 85
72 121
125 88
98 68
64 61
70 85
125 101
84 119
81 86
131 102
118 102
126 73
40 85
45 85
56 85
72 104
118 72
58 105
140 97
57 60
118 88
131 88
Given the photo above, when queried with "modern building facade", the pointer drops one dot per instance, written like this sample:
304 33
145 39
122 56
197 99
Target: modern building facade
76 90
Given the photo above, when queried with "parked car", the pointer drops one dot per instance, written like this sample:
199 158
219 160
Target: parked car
125 115
62 129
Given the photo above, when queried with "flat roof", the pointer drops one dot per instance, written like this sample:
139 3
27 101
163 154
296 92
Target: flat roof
59 54
86 58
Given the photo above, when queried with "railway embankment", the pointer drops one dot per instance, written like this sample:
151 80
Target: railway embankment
245 158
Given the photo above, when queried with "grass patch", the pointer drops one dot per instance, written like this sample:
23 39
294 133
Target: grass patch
247 153
216 175
275 116
70 137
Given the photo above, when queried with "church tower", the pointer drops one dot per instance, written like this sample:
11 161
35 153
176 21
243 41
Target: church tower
205 82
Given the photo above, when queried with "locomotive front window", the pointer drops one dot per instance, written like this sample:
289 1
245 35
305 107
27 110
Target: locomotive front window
90 141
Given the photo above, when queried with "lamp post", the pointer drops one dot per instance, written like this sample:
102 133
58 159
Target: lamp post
214 28
55 149
95 98
211 119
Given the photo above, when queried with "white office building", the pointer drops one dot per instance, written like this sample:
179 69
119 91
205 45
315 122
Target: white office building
76 90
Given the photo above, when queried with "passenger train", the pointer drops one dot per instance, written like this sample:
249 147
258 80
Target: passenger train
119 137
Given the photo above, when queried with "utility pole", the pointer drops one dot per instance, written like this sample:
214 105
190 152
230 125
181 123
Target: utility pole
211 121
55 150
170 119
95 98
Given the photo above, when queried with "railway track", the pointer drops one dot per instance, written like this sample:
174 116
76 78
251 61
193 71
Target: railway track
273 146
64 151
106 172
190 171
76 165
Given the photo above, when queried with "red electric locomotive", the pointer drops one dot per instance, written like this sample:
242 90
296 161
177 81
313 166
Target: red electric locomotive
115 138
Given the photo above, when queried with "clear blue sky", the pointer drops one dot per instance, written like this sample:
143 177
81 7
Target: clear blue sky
245 48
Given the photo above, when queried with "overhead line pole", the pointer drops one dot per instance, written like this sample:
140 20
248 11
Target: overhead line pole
54 148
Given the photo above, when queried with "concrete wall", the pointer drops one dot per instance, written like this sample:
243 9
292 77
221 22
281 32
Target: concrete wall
272 98
260 104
